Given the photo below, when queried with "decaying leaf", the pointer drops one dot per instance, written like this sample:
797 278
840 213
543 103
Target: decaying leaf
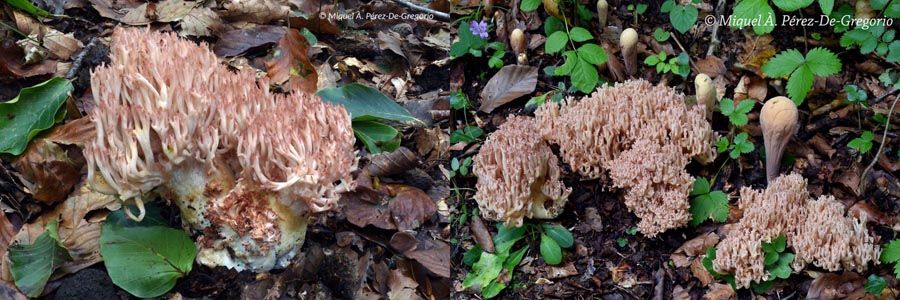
61 45
402 287
390 163
164 11
238 41
12 62
201 21
831 286
7 235
711 66
256 11
719 291
509 83
49 169
290 64
434 256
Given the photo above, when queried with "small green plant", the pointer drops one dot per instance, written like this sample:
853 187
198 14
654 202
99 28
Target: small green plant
761 15
891 7
460 167
469 43
682 17
622 242
486 267
736 147
818 62
863 143
708 265
580 63
631 230
707 204
890 78
459 101
661 35
736 115
856 96
891 255
776 259
638 10
496 60
875 39
875 284
677 65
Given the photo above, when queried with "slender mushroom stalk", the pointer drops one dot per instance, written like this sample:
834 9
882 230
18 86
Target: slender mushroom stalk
517 42
602 13
628 41
778 120
706 93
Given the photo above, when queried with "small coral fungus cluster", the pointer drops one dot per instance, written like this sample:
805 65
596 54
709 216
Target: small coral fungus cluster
245 166
641 136
817 230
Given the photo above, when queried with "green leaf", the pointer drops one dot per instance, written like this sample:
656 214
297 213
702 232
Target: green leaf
827 6
683 17
878 4
472 255
749 10
726 106
745 106
152 216
641 8
667 6
32 111
555 42
709 206
709 258
514 259
782 268
631 230
592 53
493 289
651 60
553 24
893 52
701 186
792 5
891 252
506 237
893 10
550 250
783 64
28 7
31 265
584 76
800 83
770 258
569 62
366 103
662 35
560 234
375 135
875 284
146 261
579 34
722 144
529 5
622 242
822 62
780 243
458 100
868 136
484 271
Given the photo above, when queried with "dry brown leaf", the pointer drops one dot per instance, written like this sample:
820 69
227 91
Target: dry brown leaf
115 9
12 62
680 293
830 286
50 170
256 11
700 272
718 291
697 246
328 78
402 287
391 163
236 42
402 242
561 271
481 235
410 206
712 66
390 41
201 21
509 83
164 11
290 64
436 260
8 290
61 45
7 235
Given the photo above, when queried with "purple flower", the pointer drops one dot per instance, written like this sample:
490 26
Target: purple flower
479 29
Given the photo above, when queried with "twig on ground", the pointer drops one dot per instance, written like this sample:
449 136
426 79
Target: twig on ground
76 64
714 41
442 16
862 177
691 60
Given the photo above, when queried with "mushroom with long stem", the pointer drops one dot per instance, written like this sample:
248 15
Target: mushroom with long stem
778 120
628 41
602 13
706 93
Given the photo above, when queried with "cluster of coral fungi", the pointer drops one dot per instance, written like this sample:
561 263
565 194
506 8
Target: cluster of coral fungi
817 230
245 166
612 132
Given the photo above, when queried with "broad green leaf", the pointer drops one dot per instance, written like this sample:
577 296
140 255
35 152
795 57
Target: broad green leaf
570 59
892 10
750 10
514 259
770 258
472 256
553 24
792 5
506 237
375 135
550 250
146 261
779 243
32 111
31 265
683 17
891 252
782 268
529 5
594 54
726 106
651 60
879 4
484 271
799 84
701 186
152 216
783 64
875 284
579 34
661 35
560 234
28 7
713 206
827 6
667 6
893 52
493 289
584 76
555 42
822 62
745 106
366 104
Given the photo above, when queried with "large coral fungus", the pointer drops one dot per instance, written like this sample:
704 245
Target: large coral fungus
245 167
817 230
593 131
518 175
656 183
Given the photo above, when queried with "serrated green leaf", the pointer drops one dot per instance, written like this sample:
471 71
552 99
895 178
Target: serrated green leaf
720 208
458 100
560 234
726 106
32 111
365 103
31 265
579 34
783 63
800 83
584 76
822 62
701 186
683 17
712 205
592 54
792 5
827 6
529 5
893 52
875 284
550 250
755 10
868 136
146 261
745 106
892 10
555 42
722 144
